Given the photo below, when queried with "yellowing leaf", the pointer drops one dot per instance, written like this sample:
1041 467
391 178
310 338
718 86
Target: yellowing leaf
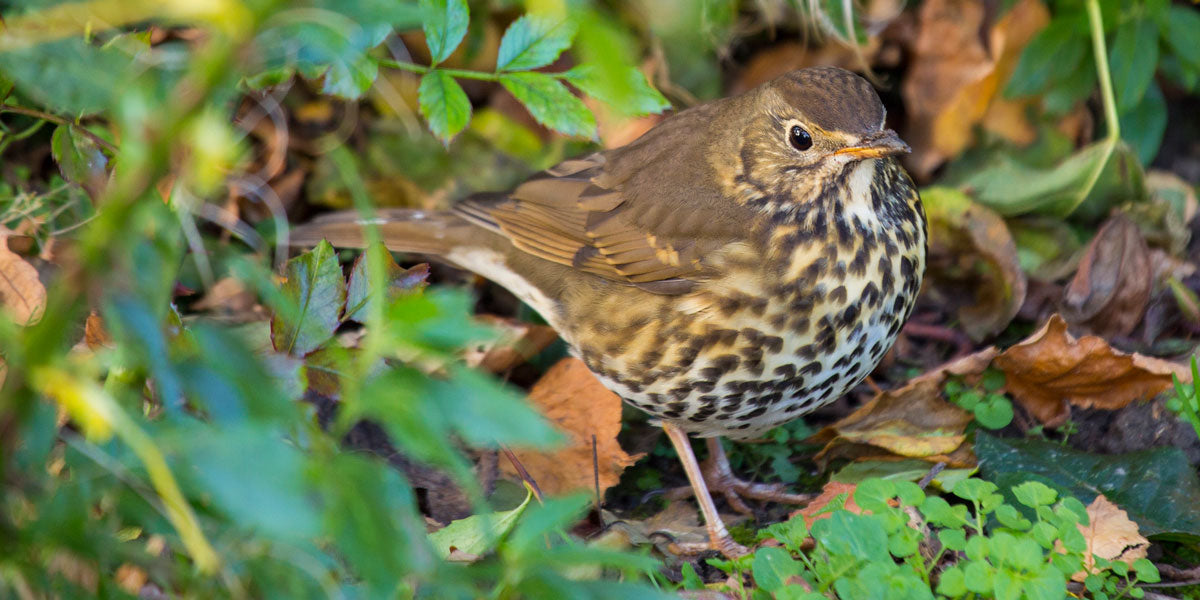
466 539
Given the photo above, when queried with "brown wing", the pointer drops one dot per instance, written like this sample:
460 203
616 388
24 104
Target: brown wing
638 215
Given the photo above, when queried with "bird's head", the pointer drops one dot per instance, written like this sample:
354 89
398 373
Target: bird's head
812 124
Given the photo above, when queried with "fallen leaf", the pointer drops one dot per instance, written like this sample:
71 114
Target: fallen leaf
958 64
516 343
972 253
1051 369
22 294
130 578
467 539
571 397
1109 292
94 333
913 421
228 295
819 507
1110 535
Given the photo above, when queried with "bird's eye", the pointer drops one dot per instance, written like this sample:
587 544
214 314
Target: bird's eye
799 138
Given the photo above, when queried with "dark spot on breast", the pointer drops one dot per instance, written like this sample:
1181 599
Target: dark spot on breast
838 295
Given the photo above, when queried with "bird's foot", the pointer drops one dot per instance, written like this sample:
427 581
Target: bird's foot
725 545
736 490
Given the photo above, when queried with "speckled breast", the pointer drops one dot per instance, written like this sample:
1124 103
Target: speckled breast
794 320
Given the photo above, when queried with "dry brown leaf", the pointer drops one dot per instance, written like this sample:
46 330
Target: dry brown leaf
228 295
972 254
22 294
578 404
131 578
959 64
913 421
517 343
1110 535
94 333
1051 369
1109 292
813 511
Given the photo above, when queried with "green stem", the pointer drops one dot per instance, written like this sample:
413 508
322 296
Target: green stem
45 116
1096 25
459 73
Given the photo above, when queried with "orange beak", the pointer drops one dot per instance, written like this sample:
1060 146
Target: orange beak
885 143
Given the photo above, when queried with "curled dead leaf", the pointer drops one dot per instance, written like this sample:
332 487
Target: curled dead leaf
913 421
959 61
571 397
1110 535
1109 292
1051 369
22 294
972 255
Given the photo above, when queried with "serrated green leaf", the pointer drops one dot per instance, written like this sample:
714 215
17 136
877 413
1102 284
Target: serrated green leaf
476 533
334 53
315 286
78 158
627 93
1053 54
534 41
399 281
1156 487
551 103
445 24
1132 60
1143 125
444 104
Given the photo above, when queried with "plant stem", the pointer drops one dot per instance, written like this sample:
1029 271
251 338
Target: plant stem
1100 52
45 116
460 73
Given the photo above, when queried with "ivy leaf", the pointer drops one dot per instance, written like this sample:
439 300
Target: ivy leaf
1133 58
1157 487
445 25
534 41
316 288
628 94
551 103
444 104
1143 125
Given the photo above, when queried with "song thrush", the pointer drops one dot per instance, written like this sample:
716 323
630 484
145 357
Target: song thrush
740 264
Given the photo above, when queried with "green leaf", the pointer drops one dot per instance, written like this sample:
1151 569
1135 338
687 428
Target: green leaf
1143 125
399 281
269 493
1034 494
953 539
772 567
1051 56
952 583
627 93
476 533
335 53
444 104
847 534
78 158
534 41
551 103
1181 30
445 25
315 287
1156 487
1132 60
995 413
62 75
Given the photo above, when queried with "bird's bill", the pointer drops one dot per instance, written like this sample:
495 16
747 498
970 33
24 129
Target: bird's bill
885 144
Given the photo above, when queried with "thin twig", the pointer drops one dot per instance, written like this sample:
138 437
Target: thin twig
45 116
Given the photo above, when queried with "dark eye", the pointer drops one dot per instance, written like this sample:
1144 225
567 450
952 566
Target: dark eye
799 138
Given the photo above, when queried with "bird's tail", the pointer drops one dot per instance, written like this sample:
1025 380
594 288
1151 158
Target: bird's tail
403 230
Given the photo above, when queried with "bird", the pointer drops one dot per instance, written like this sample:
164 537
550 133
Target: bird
740 264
